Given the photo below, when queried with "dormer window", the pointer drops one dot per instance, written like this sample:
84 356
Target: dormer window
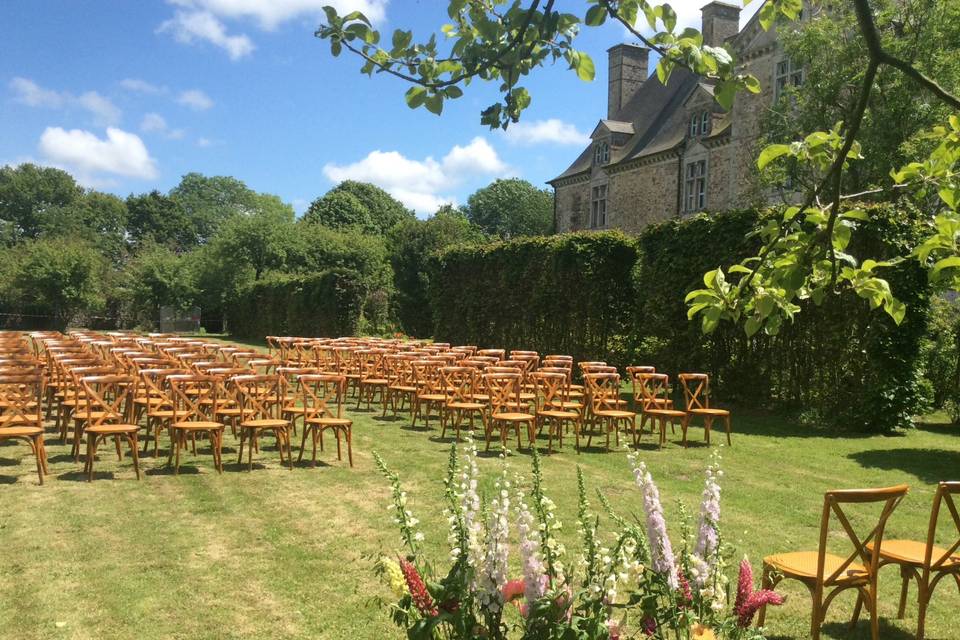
601 154
699 124
787 75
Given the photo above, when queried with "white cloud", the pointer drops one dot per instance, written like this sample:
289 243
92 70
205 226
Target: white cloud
155 123
141 86
190 26
104 112
88 157
419 183
204 142
550 131
28 92
271 13
195 99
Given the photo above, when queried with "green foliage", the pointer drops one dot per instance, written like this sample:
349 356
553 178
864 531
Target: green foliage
210 201
340 210
27 192
329 303
836 362
509 208
154 218
411 244
385 211
570 293
503 45
98 218
158 277
940 355
56 279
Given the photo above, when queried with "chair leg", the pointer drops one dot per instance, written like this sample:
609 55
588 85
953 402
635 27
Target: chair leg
923 597
766 583
905 575
134 452
349 438
856 611
726 424
91 454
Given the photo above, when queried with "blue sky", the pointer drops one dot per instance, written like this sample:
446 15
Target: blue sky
130 95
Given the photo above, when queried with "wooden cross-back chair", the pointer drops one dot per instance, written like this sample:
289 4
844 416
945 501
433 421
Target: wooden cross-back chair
826 574
322 397
193 399
554 407
656 405
373 377
603 394
71 405
926 562
459 384
292 408
426 377
633 372
152 399
108 407
262 397
499 354
21 416
505 409
696 396
402 383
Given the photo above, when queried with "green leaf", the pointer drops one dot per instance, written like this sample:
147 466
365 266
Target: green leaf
751 326
434 103
945 263
669 17
596 16
585 69
415 96
771 153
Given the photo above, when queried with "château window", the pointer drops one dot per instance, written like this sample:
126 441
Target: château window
695 187
602 153
694 120
598 207
788 75
705 123
700 124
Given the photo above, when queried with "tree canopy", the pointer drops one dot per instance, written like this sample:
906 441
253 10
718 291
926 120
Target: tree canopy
511 207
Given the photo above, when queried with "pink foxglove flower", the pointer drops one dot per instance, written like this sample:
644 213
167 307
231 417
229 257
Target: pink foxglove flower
704 552
661 551
748 601
418 590
686 594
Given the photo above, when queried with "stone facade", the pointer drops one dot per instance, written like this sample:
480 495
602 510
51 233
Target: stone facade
669 151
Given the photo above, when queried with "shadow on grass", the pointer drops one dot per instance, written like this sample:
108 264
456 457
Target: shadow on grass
929 465
862 630
81 476
167 470
942 427
760 423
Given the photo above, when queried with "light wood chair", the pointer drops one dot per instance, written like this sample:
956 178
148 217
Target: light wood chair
322 397
459 384
108 408
260 399
21 417
696 396
194 401
506 410
825 574
554 407
926 562
657 406
603 393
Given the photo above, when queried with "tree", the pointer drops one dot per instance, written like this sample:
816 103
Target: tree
157 277
259 240
411 245
340 210
510 208
98 218
385 211
27 193
59 278
210 201
802 255
158 219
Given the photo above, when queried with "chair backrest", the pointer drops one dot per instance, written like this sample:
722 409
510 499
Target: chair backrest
552 388
944 496
603 390
654 389
108 398
634 372
426 375
492 353
262 395
503 390
20 396
696 390
321 394
833 508
193 397
291 377
458 383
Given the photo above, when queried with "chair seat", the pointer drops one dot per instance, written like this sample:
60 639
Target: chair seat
294 410
431 397
20 432
558 413
87 415
513 416
377 381
567 404
113 428
197 425
161 413
709 412
912 552
466 406
666 413
233 411
617 413
402 388
803 565
265 423
333 422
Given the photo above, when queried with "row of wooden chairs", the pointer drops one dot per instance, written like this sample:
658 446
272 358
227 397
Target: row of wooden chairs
826 574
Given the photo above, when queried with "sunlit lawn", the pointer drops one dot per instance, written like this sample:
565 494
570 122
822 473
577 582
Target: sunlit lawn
286 554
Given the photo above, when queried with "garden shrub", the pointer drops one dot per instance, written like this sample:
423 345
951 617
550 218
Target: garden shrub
328 303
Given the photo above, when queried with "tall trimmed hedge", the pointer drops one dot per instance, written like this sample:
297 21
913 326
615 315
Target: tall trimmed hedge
327 303
569 293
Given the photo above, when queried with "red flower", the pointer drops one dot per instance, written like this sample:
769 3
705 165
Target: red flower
512 590
687 594
418 589
748 601
648 626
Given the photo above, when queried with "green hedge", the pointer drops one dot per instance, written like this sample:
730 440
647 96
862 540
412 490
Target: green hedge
569 293
327 303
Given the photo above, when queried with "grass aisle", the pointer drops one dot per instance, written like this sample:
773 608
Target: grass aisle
281 554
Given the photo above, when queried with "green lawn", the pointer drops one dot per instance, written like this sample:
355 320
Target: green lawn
285 554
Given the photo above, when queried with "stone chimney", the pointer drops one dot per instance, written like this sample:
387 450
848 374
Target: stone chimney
628 72
720 21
